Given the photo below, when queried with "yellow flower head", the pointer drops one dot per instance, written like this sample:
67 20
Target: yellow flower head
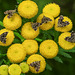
48 25
28 32
31 46
63 43
16 53
34 58
65 28
9 37
14 69
12 23
3 70
48 49
24 67
28 9
51 9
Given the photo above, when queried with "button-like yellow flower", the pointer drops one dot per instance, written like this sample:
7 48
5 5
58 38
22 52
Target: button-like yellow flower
31 46
51 9
14 69
48 25
28 9
12 23
65 28
28 32
63 43
16 53
24 67
3 70
9 37
34 58
48 49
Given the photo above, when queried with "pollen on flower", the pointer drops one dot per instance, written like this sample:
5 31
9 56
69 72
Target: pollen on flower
16 53
52 9
4 70
28 9
9 37
63 43
12 23
65 28
48 49
34 58
48 25
31 46
24 67
28 32
14 69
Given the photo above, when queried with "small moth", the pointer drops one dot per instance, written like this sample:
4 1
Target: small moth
35 25
61 23
10 13
3 37
45 19
71 38
36 65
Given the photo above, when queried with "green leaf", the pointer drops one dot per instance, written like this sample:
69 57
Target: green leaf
2 55
58 59
71 50
16 40
65 54
1 23
4 61
1 61
48 67
19 1
22 73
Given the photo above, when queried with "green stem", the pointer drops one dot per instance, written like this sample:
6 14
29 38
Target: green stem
3 54
19 36
37 39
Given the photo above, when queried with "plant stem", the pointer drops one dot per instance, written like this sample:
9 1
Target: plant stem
37 39
19 36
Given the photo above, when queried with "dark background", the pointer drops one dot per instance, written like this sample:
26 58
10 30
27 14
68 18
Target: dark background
67 9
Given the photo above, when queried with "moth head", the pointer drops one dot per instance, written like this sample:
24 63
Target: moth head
10 13
35 25
61 23
3 37
36 65
45 19
71 38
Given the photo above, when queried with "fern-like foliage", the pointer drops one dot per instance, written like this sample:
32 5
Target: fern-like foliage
58 59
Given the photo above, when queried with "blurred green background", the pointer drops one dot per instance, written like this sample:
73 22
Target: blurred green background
67 9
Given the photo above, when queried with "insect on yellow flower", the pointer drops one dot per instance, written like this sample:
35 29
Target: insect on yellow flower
4 70
63 24
24 67
31 46
12 23
14 69
28 9
28 32
49 49
6 37
63 42
16 53
52 9
37 63
49 24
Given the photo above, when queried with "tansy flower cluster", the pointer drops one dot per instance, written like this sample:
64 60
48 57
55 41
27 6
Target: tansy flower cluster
30 54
